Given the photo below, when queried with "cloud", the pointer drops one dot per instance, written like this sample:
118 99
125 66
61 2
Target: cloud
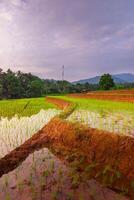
63 42
6 16
88 37
18 3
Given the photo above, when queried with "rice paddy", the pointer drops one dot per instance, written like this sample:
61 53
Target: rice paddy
116 123
23 107
42 175
15 131
47 178
100 105
20 119
116 117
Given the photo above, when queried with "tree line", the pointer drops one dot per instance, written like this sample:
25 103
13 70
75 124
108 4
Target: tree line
25 85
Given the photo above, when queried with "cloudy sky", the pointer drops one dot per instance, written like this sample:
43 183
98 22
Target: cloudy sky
89 37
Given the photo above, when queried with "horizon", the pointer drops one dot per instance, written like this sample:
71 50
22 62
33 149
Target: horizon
88 37
85 78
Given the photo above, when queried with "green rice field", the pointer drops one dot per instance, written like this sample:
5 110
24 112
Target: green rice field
100 105
23 107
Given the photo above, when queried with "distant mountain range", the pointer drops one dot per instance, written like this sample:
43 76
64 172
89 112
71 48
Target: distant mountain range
118 78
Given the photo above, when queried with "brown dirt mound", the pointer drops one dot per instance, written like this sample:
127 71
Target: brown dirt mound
106 156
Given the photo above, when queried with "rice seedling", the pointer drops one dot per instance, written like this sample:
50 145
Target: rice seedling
117 117
23 107
46 185
115 122
15 131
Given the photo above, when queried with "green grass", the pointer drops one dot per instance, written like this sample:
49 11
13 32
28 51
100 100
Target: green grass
100 105
23 107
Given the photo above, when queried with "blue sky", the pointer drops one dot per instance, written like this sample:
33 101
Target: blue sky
89 37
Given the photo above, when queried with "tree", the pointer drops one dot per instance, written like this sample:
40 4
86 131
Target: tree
1 89
1 84
36 88
10 85
106 82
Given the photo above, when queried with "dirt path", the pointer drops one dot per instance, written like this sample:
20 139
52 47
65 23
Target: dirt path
58 102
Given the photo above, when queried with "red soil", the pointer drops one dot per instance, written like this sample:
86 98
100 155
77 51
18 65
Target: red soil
58 102
123 91
83 146
115 95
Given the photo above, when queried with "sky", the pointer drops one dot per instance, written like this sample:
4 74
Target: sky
88 37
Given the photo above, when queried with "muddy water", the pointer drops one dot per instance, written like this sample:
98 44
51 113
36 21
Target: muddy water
44 177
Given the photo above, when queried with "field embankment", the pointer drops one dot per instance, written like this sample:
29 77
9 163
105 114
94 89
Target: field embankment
60 103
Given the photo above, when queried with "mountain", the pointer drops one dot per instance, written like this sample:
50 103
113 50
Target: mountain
118 78
127 77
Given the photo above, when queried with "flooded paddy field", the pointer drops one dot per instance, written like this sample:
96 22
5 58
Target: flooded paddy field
43 176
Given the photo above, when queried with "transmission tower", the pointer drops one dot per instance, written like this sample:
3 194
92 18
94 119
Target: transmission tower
63 68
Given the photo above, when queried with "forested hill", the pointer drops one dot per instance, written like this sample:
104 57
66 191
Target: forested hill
23 85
